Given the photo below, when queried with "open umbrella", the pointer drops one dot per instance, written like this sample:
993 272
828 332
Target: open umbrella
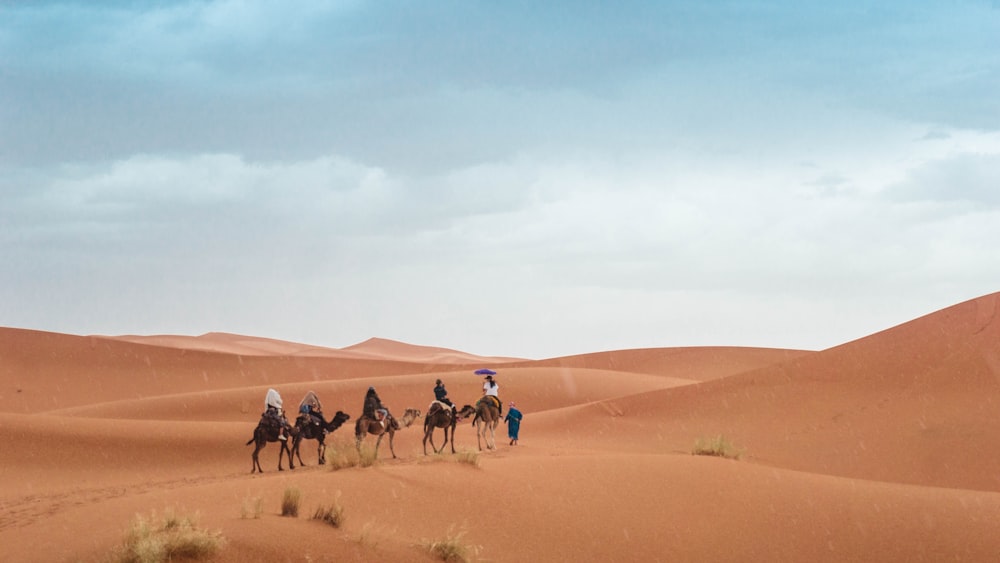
485 371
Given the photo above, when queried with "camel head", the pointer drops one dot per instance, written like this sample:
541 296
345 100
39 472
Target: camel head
339 419
409 416
466 412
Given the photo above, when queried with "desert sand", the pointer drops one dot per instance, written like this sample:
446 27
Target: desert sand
880 449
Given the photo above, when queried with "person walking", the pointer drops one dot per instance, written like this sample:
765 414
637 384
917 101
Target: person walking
513 420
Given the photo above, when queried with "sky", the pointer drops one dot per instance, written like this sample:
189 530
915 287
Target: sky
529 179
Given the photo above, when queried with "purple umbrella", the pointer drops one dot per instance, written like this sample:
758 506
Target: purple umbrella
485 371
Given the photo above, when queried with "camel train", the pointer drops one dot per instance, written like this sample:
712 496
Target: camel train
375 420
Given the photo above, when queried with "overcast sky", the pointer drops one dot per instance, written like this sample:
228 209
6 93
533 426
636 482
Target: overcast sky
531 179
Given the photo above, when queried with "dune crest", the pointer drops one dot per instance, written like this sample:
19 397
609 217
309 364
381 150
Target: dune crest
876 449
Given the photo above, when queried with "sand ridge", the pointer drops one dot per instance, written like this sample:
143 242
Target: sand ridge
876 449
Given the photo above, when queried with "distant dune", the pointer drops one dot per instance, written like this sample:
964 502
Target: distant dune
878 449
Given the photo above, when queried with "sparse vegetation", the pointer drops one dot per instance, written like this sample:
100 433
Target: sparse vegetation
252 508
452 549
290 502
468 457
718 446
332 515
338 459
366 537
172 537
368 456
344 456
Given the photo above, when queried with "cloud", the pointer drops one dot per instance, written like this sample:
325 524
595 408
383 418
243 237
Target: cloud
967 180
452 173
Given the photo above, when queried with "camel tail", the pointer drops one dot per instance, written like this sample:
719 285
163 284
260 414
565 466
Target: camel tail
250 442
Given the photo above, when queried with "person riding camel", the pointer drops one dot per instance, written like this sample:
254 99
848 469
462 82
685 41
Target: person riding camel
441 395
491 389
375 410
274 414
312 410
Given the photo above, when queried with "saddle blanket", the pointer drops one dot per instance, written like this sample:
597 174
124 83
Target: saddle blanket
442 406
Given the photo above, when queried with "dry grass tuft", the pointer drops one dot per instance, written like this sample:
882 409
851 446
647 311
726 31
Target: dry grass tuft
332 515
290 502
367 536
367 456
173 537
451 548
718 446
252 508
468 457
343 457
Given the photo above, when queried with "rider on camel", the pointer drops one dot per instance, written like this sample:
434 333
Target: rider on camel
374 409
441 394
312 411
274 414
491 389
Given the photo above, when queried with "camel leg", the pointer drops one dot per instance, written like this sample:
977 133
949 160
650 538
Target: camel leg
392 434
360 429
320 451
446 441
428 430
256 459
295 449
377 443
479 432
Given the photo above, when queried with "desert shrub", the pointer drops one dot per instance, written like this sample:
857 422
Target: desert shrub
252 508
367 536
451 548
349 456
290 502
468 457
174 536
367 456
332 514
341 458
718 446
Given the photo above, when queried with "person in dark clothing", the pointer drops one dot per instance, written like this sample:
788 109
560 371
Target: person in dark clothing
441 394
315 415
374 409
513 420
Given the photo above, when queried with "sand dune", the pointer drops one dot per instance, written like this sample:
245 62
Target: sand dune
878 449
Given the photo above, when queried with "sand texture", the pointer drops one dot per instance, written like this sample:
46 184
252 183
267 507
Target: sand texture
880 449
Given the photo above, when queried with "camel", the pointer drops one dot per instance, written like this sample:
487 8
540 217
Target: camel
441 417
264 434
487 419
306 430
368 425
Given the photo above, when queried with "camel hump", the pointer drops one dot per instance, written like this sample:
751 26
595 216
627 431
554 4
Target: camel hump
487 400
437 405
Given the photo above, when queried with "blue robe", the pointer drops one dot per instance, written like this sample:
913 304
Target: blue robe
513 420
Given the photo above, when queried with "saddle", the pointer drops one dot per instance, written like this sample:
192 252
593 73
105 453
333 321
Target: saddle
490 398
305 419
440 405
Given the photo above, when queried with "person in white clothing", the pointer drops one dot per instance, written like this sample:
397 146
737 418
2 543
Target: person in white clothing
274 414
491 389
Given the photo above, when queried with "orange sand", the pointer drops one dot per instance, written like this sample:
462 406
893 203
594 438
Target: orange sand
881 449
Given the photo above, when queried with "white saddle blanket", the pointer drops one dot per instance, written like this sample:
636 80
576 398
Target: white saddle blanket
443 406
